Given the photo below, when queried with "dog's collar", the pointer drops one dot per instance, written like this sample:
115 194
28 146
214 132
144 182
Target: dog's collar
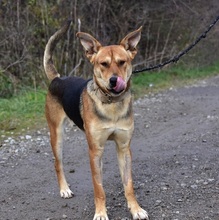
105 97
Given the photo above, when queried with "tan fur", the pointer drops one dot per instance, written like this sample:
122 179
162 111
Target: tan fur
110 120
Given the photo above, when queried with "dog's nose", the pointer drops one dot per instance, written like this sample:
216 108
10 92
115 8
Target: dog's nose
113 81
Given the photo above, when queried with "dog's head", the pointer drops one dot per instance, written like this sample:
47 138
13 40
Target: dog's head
112 64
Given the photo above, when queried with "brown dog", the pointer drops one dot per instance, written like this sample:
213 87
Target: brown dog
102 107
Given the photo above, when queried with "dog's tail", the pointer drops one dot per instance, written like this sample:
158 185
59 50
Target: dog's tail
49 67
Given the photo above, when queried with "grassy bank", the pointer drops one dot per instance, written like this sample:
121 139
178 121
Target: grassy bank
170 77
27 109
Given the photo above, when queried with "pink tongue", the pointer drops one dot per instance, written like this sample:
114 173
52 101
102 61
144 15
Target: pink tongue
120 84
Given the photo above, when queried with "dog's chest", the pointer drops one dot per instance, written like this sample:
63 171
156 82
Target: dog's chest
109 118
95 107
113 112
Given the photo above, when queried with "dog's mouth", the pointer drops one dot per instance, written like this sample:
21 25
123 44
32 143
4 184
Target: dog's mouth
117 85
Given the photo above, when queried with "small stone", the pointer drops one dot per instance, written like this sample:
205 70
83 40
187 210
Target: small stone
194 186
164 188
28 137
158 202
65 205
183 185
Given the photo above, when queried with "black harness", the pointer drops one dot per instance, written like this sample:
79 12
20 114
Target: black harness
68 91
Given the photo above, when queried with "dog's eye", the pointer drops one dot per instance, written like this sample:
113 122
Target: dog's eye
121 62
105 64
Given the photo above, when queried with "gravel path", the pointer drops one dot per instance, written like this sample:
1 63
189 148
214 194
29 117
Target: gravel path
175 164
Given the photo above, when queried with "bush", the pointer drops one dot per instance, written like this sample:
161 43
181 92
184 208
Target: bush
168 26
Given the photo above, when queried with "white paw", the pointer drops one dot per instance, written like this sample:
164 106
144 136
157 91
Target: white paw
67 193
100 217
141 214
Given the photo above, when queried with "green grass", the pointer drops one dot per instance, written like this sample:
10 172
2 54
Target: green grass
27 109
22 112
176 76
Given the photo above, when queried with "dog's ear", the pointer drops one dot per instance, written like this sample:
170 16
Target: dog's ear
131 40
90 44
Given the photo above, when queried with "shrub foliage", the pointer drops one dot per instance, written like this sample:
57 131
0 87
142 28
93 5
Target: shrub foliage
168 26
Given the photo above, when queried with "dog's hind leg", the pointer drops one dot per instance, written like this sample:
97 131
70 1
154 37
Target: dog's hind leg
125 163
55 117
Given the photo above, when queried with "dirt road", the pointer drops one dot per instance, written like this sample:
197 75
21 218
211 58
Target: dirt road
175 164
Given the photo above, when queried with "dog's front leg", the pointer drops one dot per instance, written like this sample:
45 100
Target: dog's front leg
125 163
95 153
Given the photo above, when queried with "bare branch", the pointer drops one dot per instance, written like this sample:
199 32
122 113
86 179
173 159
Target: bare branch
75 68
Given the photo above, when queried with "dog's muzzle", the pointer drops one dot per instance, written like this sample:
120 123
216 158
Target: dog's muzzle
117 84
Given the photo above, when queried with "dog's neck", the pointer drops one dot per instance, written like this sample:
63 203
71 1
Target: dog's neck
105 97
